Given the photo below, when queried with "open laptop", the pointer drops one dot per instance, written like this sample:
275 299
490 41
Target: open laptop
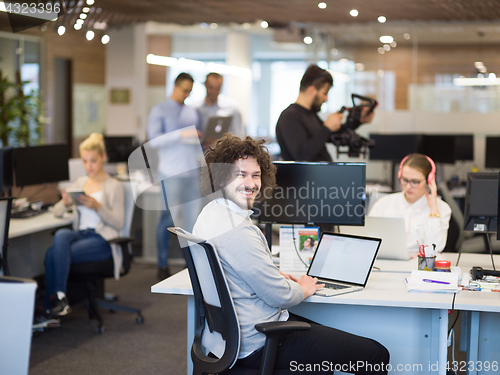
343 262
216 127
392 230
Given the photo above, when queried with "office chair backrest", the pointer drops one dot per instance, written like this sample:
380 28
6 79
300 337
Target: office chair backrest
214 306
5 207
129 202
455 232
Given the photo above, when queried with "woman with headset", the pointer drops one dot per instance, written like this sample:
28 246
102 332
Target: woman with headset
426 216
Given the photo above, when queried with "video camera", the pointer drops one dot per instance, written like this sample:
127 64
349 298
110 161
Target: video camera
347 137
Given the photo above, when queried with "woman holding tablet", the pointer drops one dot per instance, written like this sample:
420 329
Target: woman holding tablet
99 216
426 216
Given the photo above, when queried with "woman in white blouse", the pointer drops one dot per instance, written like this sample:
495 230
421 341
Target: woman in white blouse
426 216
99 217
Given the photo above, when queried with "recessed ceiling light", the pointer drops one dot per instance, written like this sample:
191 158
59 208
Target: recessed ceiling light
478 64
246 25
77 26
105 39
86 10
406 36
322 5
308 40
354 13
61 30
482 69
264 25
334 51
387 47
386 39
90 35
213 25
492 76
382 19
393 44
359 67
90 2
83 16
381 50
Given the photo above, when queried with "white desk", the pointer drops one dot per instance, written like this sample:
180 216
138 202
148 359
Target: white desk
29 239
413 326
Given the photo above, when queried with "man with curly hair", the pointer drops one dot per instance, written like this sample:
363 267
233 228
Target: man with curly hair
236 171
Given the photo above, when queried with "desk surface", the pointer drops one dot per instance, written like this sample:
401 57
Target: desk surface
44 221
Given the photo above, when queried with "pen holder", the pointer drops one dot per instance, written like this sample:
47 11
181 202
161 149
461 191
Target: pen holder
426 263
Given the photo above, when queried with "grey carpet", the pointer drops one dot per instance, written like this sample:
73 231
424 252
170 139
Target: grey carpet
156 347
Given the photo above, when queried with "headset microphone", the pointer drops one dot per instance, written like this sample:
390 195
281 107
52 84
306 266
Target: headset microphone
477 273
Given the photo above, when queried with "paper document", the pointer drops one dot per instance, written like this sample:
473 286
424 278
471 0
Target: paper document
431 281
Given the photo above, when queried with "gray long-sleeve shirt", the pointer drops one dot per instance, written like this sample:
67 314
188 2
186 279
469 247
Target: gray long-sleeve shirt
259 291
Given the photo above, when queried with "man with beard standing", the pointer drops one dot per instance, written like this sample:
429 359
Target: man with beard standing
300 132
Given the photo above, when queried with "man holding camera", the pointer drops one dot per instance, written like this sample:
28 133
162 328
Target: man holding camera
300 132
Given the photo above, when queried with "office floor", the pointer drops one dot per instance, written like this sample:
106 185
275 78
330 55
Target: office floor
156 347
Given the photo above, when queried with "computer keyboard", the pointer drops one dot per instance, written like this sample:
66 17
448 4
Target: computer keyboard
335 286
26 213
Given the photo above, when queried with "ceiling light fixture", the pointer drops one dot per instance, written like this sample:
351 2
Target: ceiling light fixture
381 50
78 26
393 44
90 2
382 19
322 5
354 13
308 40
90 35
406 36
86 10
83 16
213 25
386 39
264 25
387 47
61 30
105 39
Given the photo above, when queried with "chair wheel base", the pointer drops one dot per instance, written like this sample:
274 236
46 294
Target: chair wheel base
99 330
139 319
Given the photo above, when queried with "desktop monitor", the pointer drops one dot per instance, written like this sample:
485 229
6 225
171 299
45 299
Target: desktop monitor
118 149
440 148
464 147
394 146
481 202
316 193
40 164
492 159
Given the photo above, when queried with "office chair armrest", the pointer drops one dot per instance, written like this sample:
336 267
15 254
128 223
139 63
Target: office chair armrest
282 327
274 331
121 240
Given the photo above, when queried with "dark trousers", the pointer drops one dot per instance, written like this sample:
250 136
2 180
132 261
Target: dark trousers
321 350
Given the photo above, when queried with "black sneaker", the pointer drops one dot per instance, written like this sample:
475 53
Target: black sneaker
42 320
59 306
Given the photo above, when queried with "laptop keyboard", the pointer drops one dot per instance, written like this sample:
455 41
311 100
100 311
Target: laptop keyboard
335 286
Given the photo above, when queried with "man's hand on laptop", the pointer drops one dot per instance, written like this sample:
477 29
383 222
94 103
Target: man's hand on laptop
289 277
309 285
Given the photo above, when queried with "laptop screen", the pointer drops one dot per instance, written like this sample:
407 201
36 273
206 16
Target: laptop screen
344 258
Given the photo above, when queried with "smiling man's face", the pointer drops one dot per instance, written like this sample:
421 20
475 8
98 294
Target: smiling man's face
245 183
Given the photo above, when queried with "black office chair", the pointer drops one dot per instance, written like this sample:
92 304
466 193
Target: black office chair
92 274
5 207
214 306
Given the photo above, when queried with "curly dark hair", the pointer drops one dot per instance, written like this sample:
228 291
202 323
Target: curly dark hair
229 149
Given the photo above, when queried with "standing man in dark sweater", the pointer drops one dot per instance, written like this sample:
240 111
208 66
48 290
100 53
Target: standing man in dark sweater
300 132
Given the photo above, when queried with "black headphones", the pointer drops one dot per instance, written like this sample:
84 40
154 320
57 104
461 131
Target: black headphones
477 273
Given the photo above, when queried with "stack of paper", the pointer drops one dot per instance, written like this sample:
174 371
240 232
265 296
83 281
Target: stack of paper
433 282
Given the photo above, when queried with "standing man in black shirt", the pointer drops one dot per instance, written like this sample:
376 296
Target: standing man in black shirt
300 132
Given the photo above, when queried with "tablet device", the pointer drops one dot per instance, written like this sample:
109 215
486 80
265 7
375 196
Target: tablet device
74 194
216 127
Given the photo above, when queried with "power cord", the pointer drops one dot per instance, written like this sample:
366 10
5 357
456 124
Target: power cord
295 246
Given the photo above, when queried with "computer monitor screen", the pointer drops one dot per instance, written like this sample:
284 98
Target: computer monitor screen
492 159
394 146
464 147
440 148
7 175
118 149
316 193
40 164
481 202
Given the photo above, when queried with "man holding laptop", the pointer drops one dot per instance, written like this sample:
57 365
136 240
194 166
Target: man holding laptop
237 170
